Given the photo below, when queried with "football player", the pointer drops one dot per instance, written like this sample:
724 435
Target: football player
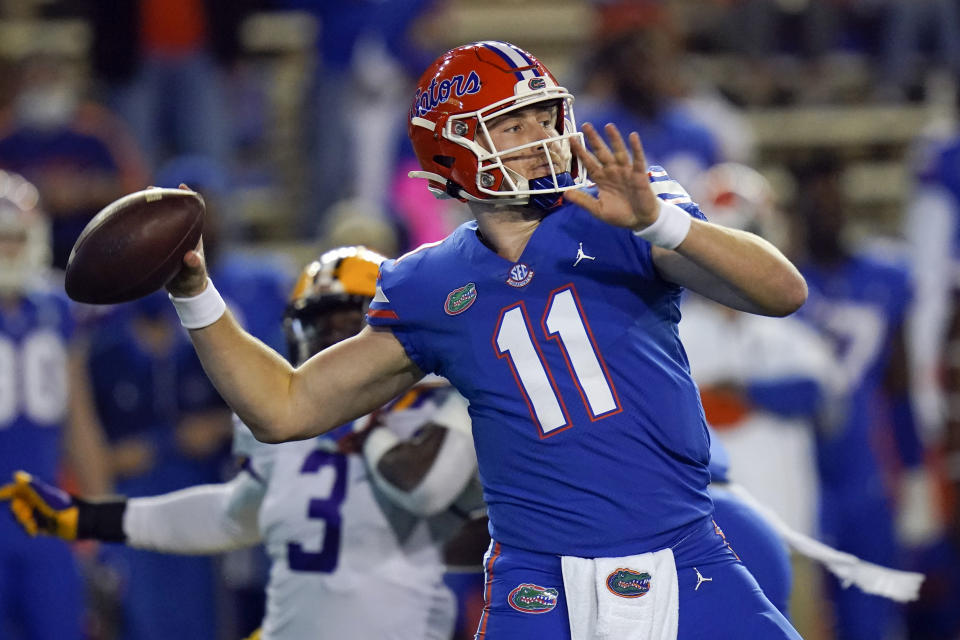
45 411
353 521
859 299
932 226
555 314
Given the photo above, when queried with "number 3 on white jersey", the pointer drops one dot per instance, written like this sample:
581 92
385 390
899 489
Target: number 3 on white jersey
564 321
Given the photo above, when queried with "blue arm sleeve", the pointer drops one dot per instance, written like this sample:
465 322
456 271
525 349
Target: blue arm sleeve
794 396
905 431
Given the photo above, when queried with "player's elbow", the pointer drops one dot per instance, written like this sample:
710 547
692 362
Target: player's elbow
791 294
278 430
269 433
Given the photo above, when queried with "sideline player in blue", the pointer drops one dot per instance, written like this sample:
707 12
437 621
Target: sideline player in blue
46 418
555 313
859 300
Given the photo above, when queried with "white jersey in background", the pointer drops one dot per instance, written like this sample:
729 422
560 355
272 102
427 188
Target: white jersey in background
771 454
347 561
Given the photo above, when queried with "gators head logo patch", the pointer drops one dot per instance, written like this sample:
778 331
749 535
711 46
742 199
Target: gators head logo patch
459 300
628 583
530 598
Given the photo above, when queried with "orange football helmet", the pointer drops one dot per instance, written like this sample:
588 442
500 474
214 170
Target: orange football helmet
458 95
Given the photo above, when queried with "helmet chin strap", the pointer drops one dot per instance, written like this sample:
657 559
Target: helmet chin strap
545 201
549 200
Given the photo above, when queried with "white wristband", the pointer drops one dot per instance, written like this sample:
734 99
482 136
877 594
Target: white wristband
378 443
669 229
201 310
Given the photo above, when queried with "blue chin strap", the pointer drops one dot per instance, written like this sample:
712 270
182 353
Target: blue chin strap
548 201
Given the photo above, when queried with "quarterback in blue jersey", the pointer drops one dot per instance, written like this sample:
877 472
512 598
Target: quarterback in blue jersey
46 415
555 314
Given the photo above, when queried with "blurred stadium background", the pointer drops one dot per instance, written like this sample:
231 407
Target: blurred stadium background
306 140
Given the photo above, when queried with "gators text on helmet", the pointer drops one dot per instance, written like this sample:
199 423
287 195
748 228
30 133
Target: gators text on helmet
456 98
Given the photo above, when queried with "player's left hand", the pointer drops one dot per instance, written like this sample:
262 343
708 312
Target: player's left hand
40 507
625 197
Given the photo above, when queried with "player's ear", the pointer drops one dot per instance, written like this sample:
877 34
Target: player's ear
185 187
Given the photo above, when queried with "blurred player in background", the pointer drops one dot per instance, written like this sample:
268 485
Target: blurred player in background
79 155
868 444
167 429
762 540
932 227
632 81
576 421
353 521
46 418
762 381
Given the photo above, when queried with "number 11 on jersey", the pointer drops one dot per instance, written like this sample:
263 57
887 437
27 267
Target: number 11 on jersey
564 321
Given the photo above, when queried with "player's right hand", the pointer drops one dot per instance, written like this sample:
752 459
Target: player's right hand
192 277
40 507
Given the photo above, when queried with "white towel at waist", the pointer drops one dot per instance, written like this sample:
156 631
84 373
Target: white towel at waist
629 598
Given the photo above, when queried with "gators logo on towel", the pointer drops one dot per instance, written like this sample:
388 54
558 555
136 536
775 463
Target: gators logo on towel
628 583
530 598
459 300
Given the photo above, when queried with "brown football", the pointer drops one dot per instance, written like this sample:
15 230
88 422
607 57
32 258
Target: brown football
134 246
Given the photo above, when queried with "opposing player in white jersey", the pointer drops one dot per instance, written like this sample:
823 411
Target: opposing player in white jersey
353 521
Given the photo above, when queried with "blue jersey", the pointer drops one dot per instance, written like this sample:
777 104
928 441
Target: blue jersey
859 305
589 432
34 333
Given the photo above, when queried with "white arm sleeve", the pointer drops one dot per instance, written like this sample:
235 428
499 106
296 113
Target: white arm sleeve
455 464
199 520
931 222
902 586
